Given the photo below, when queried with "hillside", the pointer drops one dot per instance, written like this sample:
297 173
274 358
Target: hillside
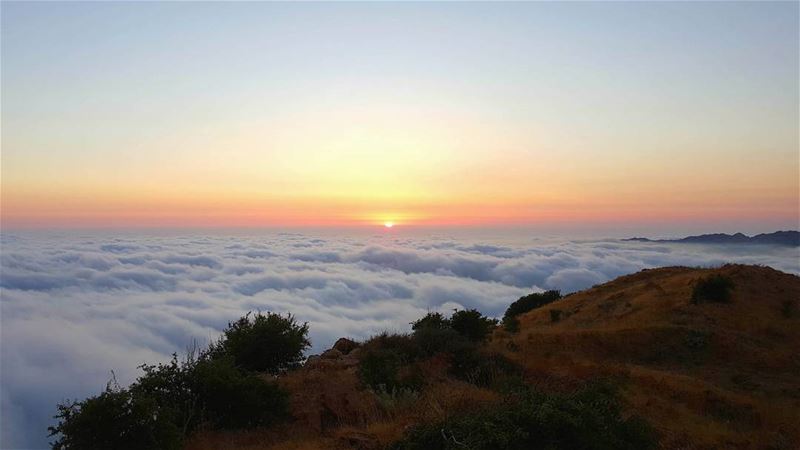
708 375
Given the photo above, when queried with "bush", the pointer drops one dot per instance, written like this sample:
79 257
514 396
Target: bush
525 304
469 323
714 288
116 419
170 386
387 370
391 361
431 320
555 315
387 361
404 344
589 419
472 324
170 400
230 398
263 343
432 341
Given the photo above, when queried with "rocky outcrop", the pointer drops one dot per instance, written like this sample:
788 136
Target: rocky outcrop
345 345
327 394
344 354
331 354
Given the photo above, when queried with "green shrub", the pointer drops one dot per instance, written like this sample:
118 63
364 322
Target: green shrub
263 343
231 398
525 304
555 315
469 323
472 324
714 288
432 341
170 400
590 419
116 419
382 369
403 344
389 361
431 320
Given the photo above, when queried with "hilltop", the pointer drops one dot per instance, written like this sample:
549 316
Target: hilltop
706 375
703 372
784 238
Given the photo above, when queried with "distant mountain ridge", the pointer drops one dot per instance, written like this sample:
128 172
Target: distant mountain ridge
785 238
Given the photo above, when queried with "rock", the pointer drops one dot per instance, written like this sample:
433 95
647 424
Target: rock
331 354
345 345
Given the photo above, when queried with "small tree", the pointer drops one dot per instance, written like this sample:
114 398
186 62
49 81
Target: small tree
263 343
216 388
431 320
231 398
472 324
117 418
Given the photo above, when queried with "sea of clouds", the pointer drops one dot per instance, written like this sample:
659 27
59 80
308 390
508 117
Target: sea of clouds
76 306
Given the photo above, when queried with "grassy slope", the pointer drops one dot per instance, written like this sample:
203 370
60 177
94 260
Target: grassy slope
706 376
709 375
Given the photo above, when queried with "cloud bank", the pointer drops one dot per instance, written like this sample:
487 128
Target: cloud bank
76 307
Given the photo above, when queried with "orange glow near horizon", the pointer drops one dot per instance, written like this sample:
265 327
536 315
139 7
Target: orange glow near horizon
118 210
488 124
318 177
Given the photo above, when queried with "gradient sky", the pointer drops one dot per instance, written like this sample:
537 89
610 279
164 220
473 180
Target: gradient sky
255 114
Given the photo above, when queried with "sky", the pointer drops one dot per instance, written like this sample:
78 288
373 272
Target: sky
672 114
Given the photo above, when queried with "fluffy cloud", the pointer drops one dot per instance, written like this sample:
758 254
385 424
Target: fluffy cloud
74 308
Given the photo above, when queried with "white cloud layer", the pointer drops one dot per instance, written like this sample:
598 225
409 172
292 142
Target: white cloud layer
74 308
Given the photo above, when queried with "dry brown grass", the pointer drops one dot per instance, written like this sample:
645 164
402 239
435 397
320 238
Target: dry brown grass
706 376
331 409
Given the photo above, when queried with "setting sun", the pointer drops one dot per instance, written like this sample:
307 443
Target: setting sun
388 224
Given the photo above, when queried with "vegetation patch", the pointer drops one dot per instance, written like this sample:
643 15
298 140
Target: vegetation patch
393 361
263 343
789 308
210 388
587 419
472 324
387 369
713 289
525 304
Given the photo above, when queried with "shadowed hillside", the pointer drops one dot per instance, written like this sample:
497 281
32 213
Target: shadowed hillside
704 374
675 358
